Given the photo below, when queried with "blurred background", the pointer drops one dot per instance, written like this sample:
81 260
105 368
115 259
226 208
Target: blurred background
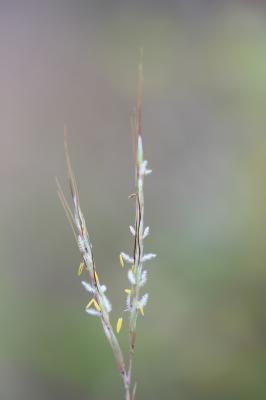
67 62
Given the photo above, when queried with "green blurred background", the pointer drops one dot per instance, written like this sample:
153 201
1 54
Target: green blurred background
203 336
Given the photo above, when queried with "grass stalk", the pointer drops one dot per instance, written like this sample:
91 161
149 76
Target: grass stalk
99 305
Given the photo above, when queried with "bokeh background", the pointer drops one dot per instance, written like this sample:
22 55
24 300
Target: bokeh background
203 336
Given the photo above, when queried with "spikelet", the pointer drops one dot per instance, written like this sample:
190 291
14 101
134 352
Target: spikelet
143 278
92 311
148 257
146 232
128 303
131 277
143 302
132 230
107 304
88 287
127 258
81 244
103 288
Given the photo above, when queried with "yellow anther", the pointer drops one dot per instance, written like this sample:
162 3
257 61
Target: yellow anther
98 308
94 302
96 277
133 268
141 311
127 291
121 260
90 303
81 268
119 324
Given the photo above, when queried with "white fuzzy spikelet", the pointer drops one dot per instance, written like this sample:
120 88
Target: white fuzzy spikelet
143 278
148 257
131 277
107 304
132 230
92 311
81 244
88 287
127 258
146 232
143 301
103 288
87 258
128 303
143 167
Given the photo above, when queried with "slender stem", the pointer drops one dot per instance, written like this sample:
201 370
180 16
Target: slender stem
139 223
127 382
127 394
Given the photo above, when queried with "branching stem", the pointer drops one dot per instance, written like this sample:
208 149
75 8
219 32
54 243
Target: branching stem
137 277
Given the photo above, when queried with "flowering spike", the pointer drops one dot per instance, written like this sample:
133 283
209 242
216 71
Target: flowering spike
119 324
81 268
99 304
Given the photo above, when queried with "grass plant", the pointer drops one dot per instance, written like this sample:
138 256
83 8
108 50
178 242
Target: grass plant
99 305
